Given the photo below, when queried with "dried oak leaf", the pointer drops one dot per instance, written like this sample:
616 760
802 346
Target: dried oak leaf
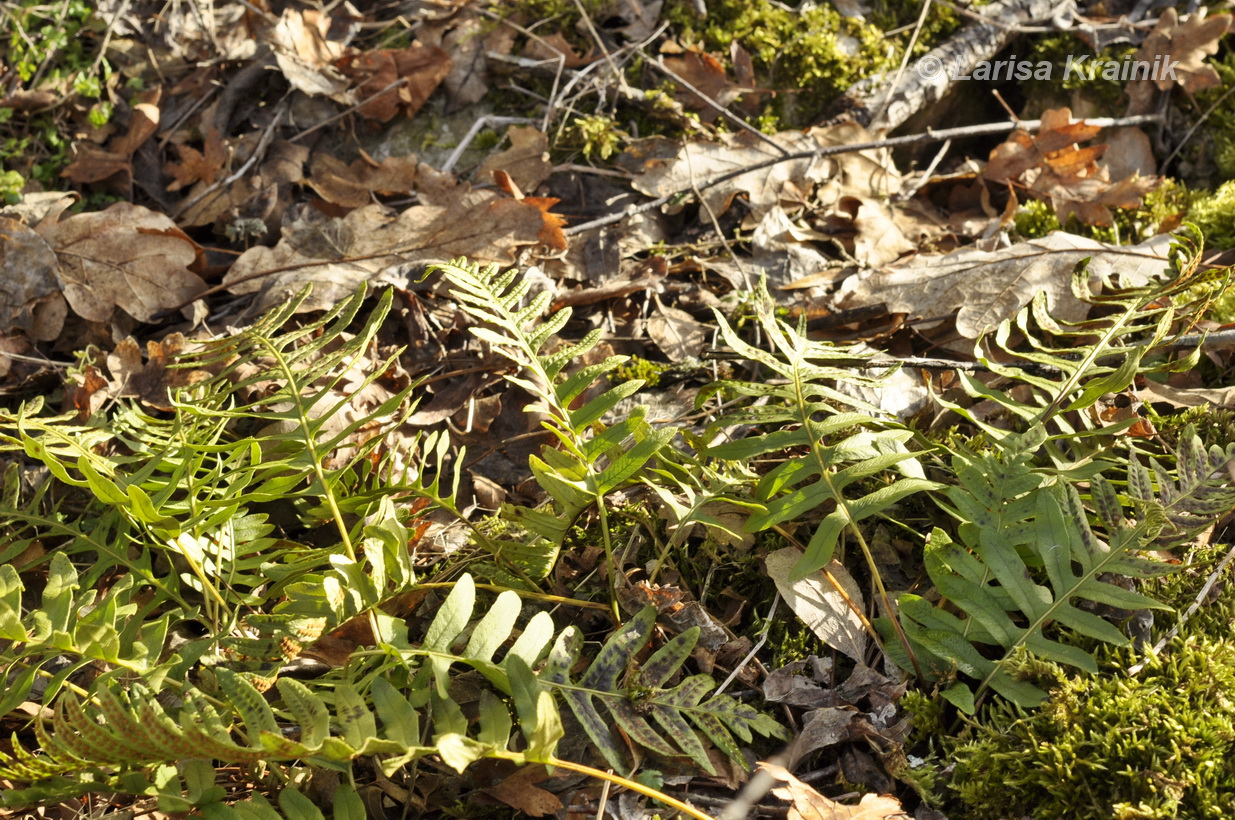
93 164
390 80
788 183
354 186
306 54
1052 166
150 381
986 287
706 75
126 256
1187 41
373 244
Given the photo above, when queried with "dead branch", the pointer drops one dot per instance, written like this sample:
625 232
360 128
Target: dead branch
930 135
880 104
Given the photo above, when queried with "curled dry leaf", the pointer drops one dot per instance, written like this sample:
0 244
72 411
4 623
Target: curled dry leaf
126 256
986 287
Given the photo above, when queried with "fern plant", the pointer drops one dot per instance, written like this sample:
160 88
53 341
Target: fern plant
404 712
1025 557
590 458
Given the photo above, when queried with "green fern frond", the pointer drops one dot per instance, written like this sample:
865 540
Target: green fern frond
1027 558
589 460
804 413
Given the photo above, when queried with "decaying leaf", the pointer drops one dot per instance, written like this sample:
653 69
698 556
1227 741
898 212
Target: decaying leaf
151 380
373 244
394 80
820 604
707 75
353 186
1186 42
526 161
808 804
306 54
789 183
1052 166
94 164
28 279
986 287
678 334
127 257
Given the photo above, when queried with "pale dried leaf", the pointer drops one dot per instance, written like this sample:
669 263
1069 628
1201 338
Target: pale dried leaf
818 603
808 804
678 334
372 244
305 54
789 183
126 256
986 287
28 276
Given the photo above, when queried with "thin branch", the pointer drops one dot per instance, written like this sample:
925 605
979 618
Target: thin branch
930 135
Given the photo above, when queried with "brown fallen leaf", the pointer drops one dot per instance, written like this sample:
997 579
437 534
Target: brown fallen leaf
808 804
984 288
28 278
305 53
149 382
373 244
125 257
789 183
414 72
707 75
526 161
678 334
1052 166
93 164
1182 45
353 186
555 47
519 791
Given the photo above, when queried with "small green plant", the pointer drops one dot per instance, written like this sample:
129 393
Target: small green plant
598 136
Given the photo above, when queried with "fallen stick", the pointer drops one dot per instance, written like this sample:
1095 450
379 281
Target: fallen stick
930 135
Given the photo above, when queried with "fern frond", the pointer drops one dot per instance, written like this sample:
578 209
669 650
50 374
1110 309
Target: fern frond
1202 494
1027 559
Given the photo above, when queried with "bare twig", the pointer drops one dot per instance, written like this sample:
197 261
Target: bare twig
930 135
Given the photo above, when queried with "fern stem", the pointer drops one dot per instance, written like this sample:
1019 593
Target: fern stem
633 785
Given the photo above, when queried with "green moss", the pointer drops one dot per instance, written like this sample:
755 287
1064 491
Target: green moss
1156 745
810 55
1214 214
638 368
